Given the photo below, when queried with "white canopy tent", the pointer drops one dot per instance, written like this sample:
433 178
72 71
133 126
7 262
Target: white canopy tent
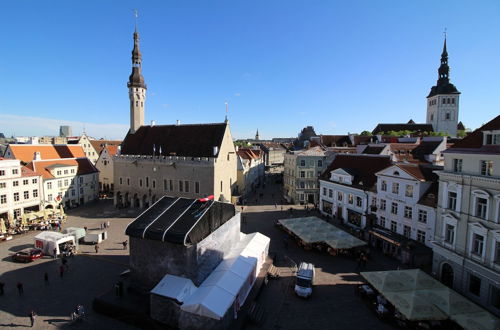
230 283
174 287
47 241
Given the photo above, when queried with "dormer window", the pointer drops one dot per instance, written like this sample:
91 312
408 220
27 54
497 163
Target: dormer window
396 173
492 138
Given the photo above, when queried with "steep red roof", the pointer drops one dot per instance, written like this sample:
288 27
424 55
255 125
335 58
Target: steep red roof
112 150
26 171
42 167
100 144
26 152
420 171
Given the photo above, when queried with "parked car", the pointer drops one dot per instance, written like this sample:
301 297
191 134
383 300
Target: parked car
27 255
305 280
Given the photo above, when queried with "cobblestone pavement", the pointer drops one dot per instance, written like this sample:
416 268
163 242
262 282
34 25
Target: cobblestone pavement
333 304
89 274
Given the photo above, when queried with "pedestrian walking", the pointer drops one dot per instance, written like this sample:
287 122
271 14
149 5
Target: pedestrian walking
2 284
65 263
102 225
54 252
20 288
46 278
32 316
125 242
96 247
61 271
109 224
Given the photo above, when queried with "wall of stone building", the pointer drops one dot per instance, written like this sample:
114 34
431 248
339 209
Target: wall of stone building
132 170
225 169
165 310
105 166
461 274
151 260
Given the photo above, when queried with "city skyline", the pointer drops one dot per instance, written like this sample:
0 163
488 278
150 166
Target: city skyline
280 67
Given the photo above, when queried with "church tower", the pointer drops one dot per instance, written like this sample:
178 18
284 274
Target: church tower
136 88
257 135
442 101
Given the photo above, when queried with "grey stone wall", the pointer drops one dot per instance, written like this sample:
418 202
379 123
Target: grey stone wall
165 310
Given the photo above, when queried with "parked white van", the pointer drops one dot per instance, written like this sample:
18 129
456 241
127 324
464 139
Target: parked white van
305 280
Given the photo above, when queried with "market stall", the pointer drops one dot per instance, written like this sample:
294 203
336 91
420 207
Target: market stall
313 231
48 241
417 297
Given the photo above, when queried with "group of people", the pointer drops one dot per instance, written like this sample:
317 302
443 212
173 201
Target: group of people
105 224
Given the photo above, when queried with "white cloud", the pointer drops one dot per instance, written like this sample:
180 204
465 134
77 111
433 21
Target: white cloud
38 126
237 94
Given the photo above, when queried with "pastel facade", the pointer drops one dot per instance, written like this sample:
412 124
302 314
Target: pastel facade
467 238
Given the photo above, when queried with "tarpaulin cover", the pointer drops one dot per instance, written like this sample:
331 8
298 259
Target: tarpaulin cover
315 230
180 220
418 296
139 225
175 287
230 282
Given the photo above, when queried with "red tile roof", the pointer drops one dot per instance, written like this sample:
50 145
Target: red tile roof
26 171
99 144
247 153
26 152
42 167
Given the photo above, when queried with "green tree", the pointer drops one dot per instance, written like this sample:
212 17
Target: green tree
366 133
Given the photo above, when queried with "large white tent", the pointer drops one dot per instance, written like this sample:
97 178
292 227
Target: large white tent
229 284
175 287
47 241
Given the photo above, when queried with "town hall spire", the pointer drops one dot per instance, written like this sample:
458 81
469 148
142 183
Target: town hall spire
136 86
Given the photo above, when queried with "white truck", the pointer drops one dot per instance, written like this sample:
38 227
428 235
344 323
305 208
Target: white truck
305 280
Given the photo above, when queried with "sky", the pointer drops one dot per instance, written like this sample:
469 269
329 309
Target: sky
339 66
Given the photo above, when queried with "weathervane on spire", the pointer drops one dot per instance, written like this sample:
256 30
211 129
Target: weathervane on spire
444 33
227 109
136 15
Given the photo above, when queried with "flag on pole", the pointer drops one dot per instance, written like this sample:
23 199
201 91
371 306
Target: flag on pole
206 199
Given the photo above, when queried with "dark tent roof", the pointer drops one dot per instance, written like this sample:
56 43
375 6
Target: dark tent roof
196 140
180 220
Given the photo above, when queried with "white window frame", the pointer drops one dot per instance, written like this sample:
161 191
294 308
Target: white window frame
477 229
452 221
480 194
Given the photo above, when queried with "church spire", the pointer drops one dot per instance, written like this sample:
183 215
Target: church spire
444 69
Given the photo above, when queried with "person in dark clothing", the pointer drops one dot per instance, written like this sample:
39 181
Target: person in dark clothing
96 248
46 278
20 288
32 316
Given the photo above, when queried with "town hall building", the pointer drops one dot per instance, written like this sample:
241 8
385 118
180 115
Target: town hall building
192 161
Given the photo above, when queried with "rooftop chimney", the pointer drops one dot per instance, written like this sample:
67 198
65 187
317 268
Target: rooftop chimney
178 122
153 123
37 156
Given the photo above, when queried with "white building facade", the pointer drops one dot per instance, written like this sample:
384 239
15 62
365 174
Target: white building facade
20 189
401 206
467 238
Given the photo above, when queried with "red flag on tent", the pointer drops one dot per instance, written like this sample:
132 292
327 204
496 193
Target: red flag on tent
206 199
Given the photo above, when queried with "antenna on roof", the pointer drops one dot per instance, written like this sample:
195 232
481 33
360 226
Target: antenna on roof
227 109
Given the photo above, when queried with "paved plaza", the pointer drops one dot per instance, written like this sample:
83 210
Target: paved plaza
333 304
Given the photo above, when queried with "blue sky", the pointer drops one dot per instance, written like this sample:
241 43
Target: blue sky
340 66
